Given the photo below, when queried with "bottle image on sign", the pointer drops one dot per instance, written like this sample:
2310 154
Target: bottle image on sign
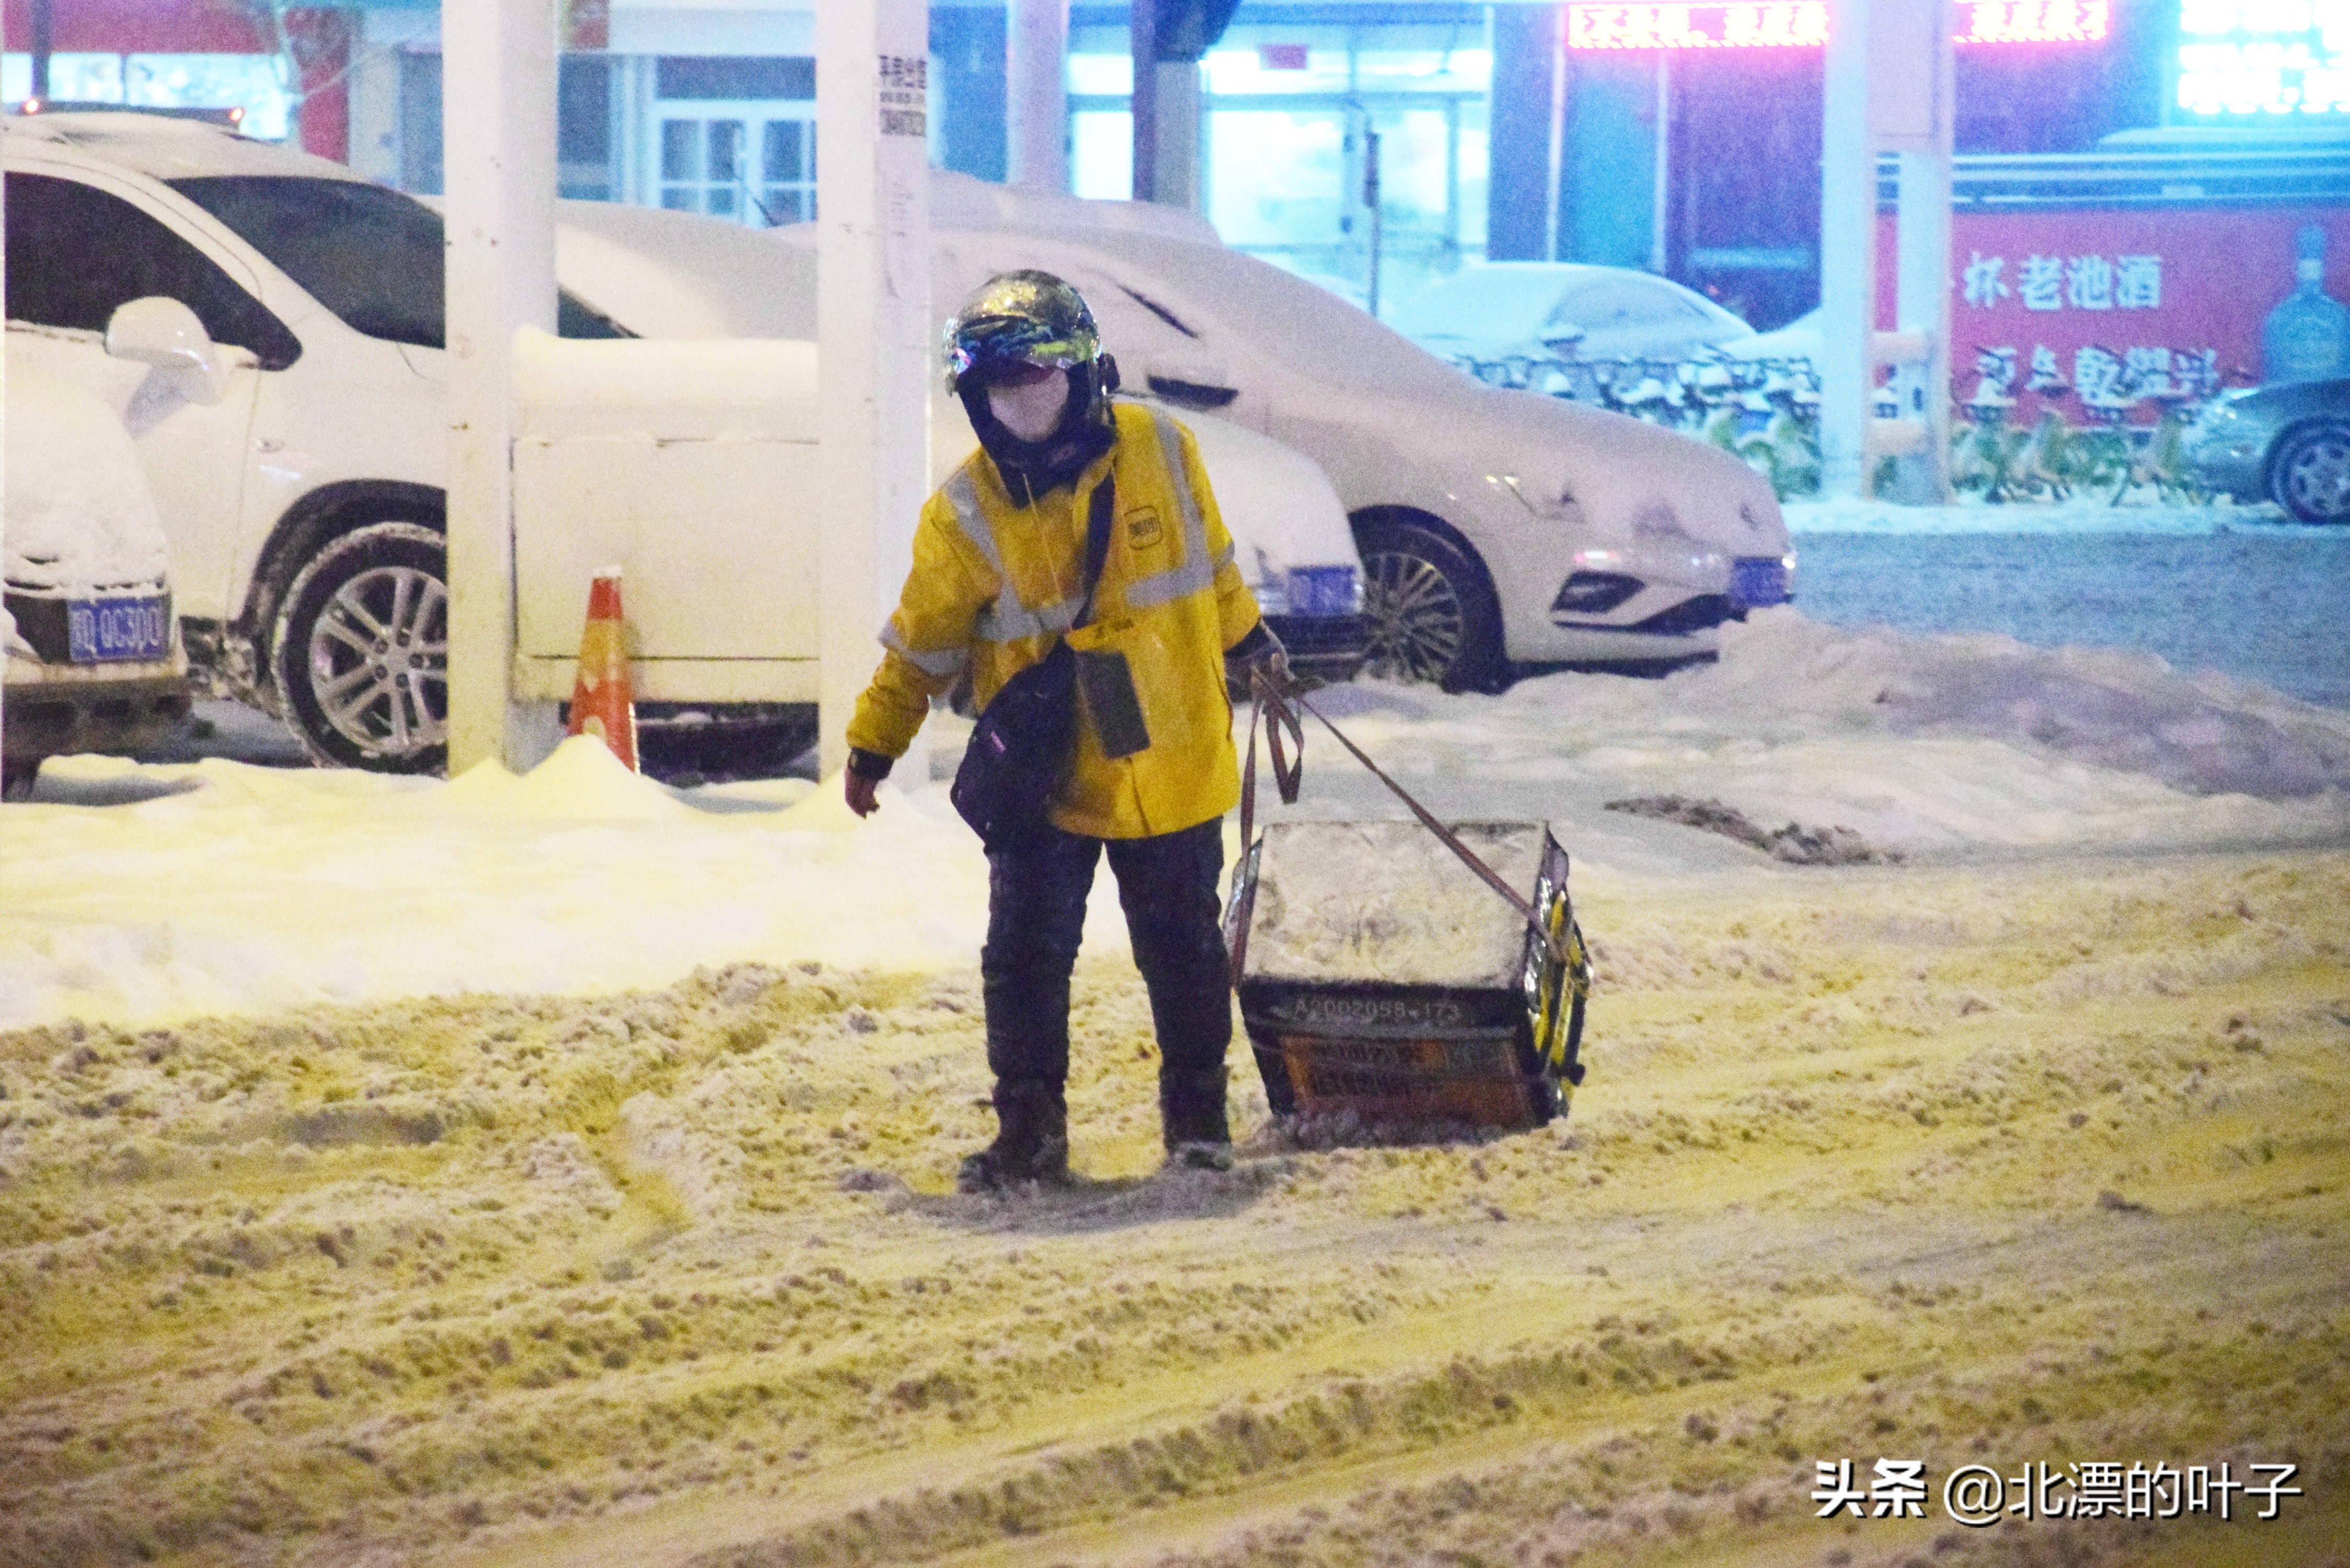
2307 337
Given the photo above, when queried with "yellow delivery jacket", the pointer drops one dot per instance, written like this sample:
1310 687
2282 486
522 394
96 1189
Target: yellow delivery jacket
995 583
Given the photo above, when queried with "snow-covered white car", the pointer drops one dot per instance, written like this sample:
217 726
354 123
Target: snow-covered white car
1498 529
289 408
93 661
1565 310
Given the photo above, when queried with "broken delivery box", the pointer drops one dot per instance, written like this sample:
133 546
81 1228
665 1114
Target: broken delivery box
1379 975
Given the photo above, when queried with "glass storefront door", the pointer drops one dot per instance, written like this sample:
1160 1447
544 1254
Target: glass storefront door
1287 110
1286 184
752 163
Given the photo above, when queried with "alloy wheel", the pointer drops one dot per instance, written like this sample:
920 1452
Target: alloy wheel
1417 624
2317 476
378 660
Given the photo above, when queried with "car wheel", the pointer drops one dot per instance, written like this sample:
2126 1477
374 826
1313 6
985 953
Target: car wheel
1430 611
2311 476
361 651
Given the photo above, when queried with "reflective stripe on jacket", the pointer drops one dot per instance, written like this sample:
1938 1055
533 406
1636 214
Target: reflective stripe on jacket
995 583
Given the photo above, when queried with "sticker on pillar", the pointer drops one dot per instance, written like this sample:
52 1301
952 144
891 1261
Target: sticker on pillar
905 88
587 25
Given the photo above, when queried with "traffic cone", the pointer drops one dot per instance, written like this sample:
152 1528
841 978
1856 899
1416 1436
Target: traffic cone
601 704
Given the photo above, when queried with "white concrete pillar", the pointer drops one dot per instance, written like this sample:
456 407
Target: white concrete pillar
1922 477
1889 90
1036 94
497 106
1178 103
1142 44
1848 252
873 337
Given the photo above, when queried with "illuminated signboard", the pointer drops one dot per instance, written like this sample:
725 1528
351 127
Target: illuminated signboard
2239 58
1785 23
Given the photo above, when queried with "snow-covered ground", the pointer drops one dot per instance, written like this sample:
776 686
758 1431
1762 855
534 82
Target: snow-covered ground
139 893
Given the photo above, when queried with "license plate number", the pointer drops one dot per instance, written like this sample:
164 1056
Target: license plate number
119 631
1758 580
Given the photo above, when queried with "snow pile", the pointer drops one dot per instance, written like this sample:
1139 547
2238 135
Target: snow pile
152 893
79 516
1918 745
218 888
2109 708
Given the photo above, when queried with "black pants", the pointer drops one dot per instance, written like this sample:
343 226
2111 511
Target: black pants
1037 915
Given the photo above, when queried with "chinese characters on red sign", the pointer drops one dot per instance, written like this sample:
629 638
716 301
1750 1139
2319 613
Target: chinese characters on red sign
2100 310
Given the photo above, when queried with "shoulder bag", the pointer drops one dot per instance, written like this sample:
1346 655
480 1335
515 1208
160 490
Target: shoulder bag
1012 768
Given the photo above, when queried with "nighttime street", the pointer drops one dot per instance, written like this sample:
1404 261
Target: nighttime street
592 584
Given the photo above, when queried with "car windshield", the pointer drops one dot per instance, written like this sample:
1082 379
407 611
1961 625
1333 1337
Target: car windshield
373 256
1310 329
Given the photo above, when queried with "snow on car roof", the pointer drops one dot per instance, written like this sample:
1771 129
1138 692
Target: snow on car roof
674 274
1498 299
965 202
171 148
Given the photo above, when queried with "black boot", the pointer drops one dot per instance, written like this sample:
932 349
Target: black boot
1191 1118
1032 1139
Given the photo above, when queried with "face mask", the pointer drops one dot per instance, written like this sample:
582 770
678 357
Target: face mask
1032 412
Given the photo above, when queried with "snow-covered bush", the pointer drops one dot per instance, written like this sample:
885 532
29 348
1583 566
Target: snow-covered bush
1766 411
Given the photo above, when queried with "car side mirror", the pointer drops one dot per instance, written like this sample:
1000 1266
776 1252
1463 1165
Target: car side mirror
1190 383
164 333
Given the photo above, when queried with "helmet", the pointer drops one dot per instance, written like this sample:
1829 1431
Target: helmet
1020 319
1027 318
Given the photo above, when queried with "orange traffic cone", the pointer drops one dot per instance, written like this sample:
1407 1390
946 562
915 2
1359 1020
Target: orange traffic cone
600 701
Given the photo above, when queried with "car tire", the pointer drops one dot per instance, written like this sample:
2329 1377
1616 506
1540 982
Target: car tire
2311 476
361 651
1431 608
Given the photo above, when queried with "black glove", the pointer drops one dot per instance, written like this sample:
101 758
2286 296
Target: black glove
1260 654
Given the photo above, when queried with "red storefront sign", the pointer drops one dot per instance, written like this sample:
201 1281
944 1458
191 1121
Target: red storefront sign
2087 309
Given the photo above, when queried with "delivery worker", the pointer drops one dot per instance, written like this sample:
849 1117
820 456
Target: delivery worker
999 560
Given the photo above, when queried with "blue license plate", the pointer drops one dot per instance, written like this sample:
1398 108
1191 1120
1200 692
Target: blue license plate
119 631
1759 580
1325 590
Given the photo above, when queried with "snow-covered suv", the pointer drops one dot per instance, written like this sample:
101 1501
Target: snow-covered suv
270 325
266 324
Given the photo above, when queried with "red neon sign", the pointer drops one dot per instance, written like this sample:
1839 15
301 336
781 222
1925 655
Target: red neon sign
1791 24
